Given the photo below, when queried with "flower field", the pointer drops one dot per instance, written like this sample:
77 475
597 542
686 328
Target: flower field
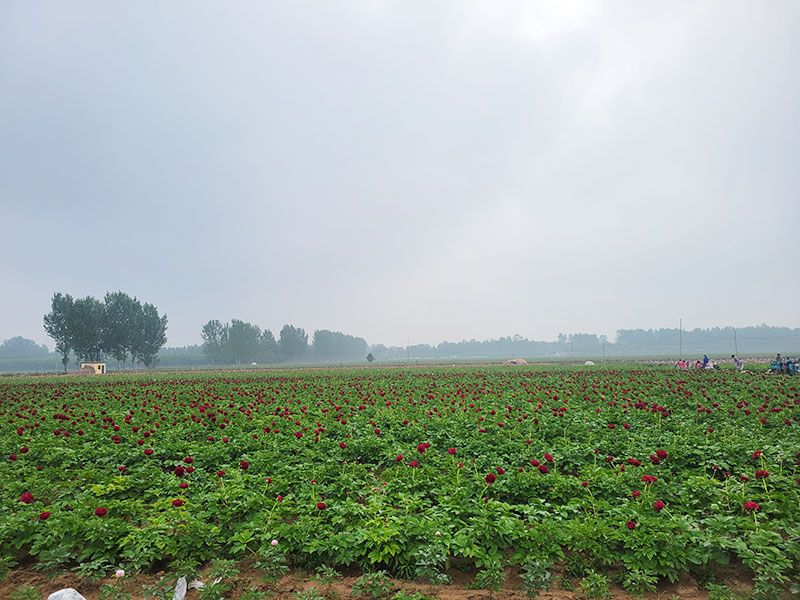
642 475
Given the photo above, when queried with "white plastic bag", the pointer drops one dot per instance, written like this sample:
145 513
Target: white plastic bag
66 594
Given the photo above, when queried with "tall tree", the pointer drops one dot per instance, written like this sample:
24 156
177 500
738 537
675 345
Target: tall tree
117 331
269 347
213 340
150 335
243 341
293 343
86 328
57 325
20 347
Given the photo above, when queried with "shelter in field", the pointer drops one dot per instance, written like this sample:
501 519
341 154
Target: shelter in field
98 368
589 363
517 361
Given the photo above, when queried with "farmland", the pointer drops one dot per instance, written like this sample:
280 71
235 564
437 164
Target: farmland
642 475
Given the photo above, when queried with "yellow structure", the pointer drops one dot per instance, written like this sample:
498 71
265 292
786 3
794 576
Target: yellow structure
93 368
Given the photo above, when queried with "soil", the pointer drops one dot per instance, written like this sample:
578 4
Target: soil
288 586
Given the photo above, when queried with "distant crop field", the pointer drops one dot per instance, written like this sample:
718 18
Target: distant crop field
640 476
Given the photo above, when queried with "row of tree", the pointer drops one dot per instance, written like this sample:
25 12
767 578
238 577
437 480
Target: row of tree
119 326
239 342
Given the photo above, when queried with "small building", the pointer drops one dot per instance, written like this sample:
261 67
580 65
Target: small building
92 368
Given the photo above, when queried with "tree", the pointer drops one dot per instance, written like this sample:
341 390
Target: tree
269 347
149 336
85 326
20 347
293 343
118 331
213 342
244 341
370 358
57 325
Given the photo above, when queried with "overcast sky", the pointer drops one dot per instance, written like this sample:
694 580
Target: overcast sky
403 171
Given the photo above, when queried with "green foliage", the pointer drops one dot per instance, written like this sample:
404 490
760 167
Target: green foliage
490 576
327 574
594 586
535 577
219 575
718 591
639 582
431 564
163 589
401 595
309 594
25 592
93 570
372 585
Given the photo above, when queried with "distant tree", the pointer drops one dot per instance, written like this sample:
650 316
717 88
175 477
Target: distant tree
213 336
85 324
118 333
370 358
150 334
244 341
20 347
57 325
269 347
293 343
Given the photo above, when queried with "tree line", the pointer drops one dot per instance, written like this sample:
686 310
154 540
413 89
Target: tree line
119 326
239 342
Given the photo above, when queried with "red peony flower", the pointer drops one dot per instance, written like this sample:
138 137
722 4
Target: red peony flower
630 525
451 451
188 460
762 474
636 493
413 464
548 457
101 512
220 473
179 471
543 469
584 484
634 462
500 471
658 505
27 498
751 506
662 454
148 452
183 485
421 448
490 478
23 450
321 506
649 479
43 516
398 458
342 445
244 465
177 502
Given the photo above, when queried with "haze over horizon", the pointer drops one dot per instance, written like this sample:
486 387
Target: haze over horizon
403 171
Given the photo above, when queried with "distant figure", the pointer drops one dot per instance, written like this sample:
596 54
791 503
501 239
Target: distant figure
698 364
683 365
738 363
705 361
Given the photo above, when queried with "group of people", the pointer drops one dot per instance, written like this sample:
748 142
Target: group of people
780 365
700 365
784 365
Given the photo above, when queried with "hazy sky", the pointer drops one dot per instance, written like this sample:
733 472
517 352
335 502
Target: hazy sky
403 170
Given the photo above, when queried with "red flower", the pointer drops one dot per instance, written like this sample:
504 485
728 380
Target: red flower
177 502
421 448
279 498
636 493
101 512
220 473
398 458
188 460
451 451
584 484
751 506
179 471
23 450
342 445
148 452
543 469
548 457
634 462
762 474
649 479
27 498
662 454
630 525
534 462
12 457
413 464
183 485
500 471
244 465
43 516
490 478
658 505
756 454
122 468
321 506
744 478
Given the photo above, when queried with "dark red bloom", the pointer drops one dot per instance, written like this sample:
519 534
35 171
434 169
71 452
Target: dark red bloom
398 458
490 478
634 462
543 469
27 498
636 493
649 479
177 502
183 485
500 471
148 452
43 516
451 451
342 445
548 457
658 505
751 506
321 506
584 484
220 473
421 448
662 454
179 471
244 465
414 464
631 524
23 450
101 511
762 474
188 460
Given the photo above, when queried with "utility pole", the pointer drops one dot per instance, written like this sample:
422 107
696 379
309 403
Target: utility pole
735 346
681 337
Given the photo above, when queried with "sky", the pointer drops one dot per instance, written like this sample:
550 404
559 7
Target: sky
407 172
